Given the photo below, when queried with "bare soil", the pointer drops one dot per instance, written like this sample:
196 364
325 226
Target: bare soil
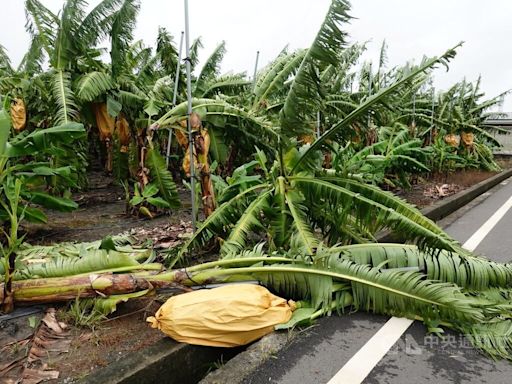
91 347
101 212
109 341
427 191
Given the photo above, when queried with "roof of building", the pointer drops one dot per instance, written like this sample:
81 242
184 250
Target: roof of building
500 118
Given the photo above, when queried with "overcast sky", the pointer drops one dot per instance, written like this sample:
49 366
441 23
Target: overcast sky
411 28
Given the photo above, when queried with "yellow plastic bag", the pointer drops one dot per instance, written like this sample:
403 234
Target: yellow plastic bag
18 115
123 132
468 139
227 316
104 121
452 140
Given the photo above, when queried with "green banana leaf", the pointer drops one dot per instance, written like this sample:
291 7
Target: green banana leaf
42 139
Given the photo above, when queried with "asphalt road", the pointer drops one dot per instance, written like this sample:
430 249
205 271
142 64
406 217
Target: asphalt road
416 357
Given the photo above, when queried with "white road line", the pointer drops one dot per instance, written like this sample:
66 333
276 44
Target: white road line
362 363
484 230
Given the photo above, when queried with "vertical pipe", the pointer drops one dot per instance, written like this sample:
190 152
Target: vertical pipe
370 75
369 93
432 117
318 124
414 109
189 112
255 71
175 94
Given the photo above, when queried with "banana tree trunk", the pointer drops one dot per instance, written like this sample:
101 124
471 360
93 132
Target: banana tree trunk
123 133
202 146
201 151
34 291
100 285
61 289
109 164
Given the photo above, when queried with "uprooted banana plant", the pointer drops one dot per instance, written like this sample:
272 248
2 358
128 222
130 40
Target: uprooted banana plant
443 289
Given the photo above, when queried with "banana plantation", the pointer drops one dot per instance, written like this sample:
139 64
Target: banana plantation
289 178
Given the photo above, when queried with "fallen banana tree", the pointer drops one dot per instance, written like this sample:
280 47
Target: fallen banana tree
468 294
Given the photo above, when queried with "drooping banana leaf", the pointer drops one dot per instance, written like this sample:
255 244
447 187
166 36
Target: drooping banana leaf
94 261
33 215
375 209
53 202
304 98
122 243
227 214
94 84
256 127
41 140
380 96
162 178
468 272
218 147
67 110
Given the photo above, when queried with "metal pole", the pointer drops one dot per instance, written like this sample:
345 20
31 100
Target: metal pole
189 112
176 80
370 80
432 117
414 109
255 71
369 92
318 124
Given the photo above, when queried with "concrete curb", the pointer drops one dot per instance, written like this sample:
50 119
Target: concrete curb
248 361
171 362
164 362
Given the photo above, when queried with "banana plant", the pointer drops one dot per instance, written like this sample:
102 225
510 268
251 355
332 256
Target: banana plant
442 289
154 178
286 207
15 187
294 203
390 161
68 41
33 174
10 191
